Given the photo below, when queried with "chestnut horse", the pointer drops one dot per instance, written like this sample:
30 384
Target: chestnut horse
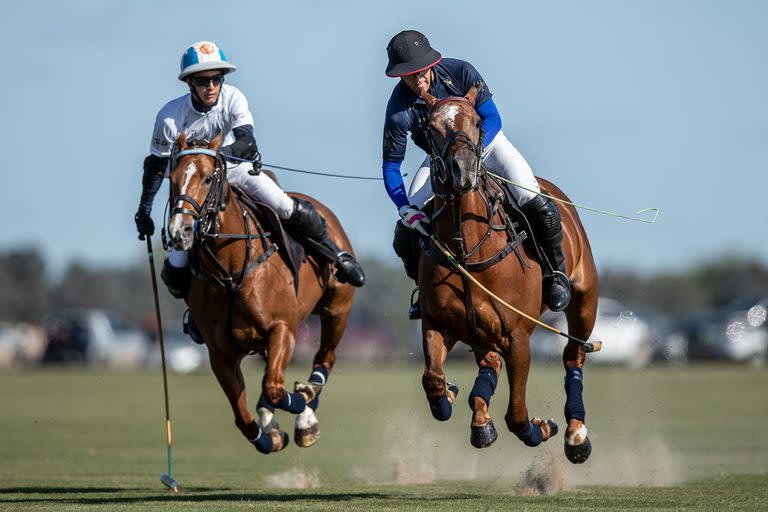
244 298
453 309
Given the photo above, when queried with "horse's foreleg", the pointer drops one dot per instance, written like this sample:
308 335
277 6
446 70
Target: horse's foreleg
279 352
532 432
581 320
577 444
230 377
483 433
440 394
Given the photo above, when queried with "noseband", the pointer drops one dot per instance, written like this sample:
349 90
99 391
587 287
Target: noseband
214 201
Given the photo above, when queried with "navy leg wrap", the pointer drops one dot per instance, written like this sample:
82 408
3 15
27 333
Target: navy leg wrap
532 435
441 408
485 385
262 441
295 403
319 376
574 405
263 403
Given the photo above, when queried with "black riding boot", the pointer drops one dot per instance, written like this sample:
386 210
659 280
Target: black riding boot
176 279
306 223
544 217
406 246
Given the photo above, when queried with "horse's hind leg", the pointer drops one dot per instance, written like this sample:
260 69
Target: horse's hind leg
440 394
581 319
230 377
483 433
532 432
333 322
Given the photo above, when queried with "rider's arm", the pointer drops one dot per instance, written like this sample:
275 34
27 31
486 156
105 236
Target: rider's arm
154 171
489 114
393 182
244 145
396 128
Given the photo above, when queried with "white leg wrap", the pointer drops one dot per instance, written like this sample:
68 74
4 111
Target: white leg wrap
178 259
262 188
502 158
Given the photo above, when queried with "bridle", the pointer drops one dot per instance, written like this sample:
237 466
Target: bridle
448 149
215 201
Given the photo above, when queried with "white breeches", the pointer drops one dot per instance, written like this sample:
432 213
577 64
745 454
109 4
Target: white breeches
501 158
260 187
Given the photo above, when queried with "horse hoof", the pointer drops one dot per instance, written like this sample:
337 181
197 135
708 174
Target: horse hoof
579 453
483 436
307 428
553 428
306 437
280 440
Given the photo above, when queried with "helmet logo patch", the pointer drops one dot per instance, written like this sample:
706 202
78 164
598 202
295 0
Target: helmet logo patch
206 49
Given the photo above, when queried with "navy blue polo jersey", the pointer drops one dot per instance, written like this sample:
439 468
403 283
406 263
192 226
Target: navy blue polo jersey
406 112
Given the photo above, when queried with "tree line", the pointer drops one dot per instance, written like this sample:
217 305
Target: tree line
29 294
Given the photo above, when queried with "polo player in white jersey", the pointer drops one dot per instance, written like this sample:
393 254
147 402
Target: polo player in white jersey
211 108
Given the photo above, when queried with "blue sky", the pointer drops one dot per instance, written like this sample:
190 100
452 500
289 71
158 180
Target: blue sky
625 105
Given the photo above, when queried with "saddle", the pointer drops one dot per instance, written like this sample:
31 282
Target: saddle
291 251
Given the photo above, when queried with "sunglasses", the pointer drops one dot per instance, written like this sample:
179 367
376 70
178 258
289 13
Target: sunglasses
203 81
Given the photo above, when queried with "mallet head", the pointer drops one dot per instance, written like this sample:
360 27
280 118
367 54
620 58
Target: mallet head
170 482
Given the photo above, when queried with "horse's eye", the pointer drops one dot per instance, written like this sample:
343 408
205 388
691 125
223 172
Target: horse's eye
208 179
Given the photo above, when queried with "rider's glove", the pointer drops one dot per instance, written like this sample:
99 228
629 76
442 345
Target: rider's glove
144 224
415 219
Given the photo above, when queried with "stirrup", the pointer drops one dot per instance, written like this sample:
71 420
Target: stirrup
189 327
557 302
348 270
414 311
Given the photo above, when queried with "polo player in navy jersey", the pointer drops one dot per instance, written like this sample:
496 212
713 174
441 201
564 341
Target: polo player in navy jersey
422 70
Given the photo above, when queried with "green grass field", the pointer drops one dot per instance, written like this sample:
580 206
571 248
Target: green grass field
663 438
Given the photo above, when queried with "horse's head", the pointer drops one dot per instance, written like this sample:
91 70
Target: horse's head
198 179
456 138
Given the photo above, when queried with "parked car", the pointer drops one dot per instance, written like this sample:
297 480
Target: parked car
94 337
737 332
182 355
628 336
21 343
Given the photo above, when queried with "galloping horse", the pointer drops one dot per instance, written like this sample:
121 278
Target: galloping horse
467 219
246 299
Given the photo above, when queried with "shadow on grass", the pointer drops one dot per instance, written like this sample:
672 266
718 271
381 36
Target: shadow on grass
197 495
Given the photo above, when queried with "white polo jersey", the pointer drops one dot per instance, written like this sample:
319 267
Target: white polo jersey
177 116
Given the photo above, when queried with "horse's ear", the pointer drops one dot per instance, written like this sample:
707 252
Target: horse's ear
216 142
182 142
429 99
472 94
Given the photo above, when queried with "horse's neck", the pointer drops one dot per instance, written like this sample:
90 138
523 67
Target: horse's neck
228 251
474 224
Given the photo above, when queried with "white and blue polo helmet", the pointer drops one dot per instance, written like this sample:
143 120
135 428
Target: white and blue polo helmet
202 56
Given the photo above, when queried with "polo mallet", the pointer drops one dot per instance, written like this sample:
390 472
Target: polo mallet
166 478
